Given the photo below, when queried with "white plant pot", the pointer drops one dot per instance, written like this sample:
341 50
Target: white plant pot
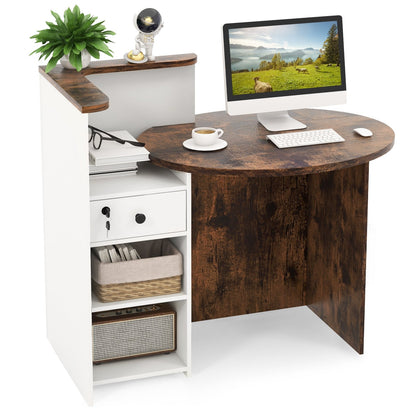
85 60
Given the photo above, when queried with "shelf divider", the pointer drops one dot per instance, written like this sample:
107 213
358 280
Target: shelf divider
98 306
136 368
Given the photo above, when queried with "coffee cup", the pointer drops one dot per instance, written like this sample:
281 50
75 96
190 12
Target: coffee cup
206 136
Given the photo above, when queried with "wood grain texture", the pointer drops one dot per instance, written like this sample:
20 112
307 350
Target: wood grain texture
249 154
248 244
336 247
268 243
86 96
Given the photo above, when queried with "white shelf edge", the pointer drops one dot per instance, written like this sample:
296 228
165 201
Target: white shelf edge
148 179
137 368
97 306
141 238
161 190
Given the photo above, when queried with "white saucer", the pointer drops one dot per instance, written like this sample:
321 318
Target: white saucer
218 145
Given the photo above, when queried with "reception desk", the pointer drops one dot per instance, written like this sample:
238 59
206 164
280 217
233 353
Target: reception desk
260 228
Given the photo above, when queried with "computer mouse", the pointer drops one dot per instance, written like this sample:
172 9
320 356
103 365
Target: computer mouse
363 132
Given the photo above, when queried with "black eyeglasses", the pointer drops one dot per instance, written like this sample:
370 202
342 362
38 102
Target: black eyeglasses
96 137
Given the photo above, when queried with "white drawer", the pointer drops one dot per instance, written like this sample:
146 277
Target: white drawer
138 216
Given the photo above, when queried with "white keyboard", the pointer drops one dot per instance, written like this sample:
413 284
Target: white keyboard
305 138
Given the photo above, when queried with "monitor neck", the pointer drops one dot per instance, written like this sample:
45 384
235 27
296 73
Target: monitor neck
279 121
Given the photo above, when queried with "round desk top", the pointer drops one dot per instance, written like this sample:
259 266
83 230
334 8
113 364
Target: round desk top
249 153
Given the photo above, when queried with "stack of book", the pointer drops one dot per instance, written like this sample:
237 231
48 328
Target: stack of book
116 253
114 153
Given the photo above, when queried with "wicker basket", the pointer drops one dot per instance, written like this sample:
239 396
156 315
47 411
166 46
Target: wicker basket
158 272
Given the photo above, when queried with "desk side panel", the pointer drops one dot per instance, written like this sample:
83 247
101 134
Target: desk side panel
67 232
336 251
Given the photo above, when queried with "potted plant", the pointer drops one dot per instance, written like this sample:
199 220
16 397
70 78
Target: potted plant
73 40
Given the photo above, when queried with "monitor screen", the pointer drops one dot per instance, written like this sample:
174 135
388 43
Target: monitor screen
283 58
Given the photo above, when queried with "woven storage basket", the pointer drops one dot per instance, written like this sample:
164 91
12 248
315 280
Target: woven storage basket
158 272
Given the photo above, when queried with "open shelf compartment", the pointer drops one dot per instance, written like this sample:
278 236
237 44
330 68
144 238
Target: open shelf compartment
178 361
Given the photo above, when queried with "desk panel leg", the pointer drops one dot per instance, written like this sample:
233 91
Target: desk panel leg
248 244
336 251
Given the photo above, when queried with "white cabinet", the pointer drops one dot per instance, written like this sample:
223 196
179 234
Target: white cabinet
163 196
73 201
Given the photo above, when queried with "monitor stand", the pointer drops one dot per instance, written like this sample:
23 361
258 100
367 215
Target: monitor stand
279 121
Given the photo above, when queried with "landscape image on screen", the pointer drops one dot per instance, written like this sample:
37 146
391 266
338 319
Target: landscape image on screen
284 57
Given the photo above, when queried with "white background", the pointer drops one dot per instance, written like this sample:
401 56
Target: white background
285 362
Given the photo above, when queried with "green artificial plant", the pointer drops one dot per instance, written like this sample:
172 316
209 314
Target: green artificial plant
71 36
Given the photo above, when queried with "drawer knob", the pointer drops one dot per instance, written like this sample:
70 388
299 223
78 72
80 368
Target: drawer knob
140 218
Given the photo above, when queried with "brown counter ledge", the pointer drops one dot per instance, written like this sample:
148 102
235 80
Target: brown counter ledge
85 96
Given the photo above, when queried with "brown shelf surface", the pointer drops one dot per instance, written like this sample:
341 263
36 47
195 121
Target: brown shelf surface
249 154
86 96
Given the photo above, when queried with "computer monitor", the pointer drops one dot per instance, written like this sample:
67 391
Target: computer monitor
279 65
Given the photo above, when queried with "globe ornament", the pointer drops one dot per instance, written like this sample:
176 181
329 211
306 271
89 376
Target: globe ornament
148 21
